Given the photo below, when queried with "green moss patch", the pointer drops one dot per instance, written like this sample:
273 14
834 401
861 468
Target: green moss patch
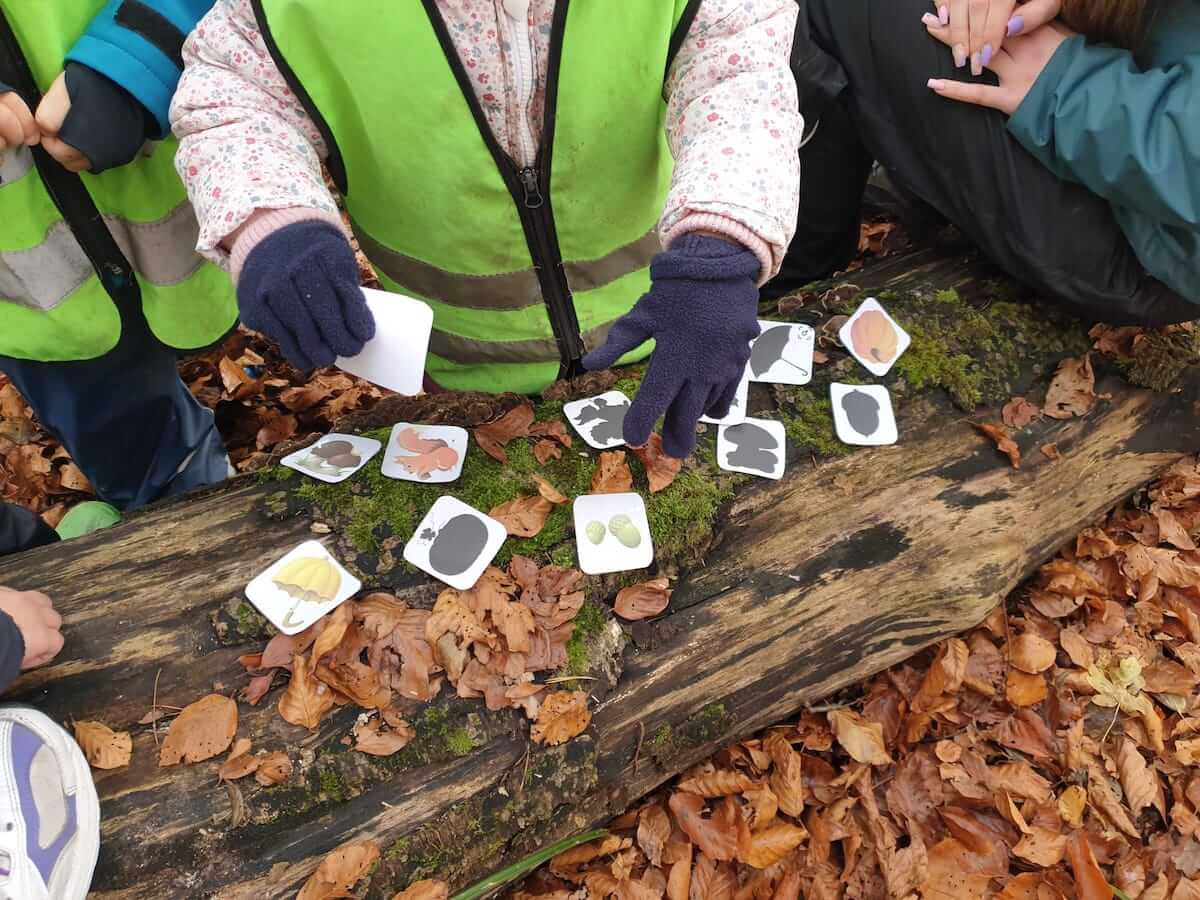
1160 358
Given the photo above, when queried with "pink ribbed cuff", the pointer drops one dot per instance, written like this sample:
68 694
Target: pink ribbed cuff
731 228
265 222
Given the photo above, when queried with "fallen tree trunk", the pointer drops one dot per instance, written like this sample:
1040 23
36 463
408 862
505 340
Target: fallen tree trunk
787 592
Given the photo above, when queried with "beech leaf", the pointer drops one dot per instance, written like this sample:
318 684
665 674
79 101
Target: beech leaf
495 436
103 747
1031 653
203 730
1073 390
612 475
563 715
523 517
428 889
863 740
661 470
340 871
716 838
641 601
1003 441
306 700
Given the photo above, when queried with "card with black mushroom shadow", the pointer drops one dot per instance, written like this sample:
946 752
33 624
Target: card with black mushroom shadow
753 447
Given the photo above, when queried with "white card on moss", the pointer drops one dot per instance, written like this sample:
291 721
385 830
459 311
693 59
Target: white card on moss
426 454
395 357
863 415
612 533
599 420
737 409
783 353
755 447
874 338
455 543
301 587
334 457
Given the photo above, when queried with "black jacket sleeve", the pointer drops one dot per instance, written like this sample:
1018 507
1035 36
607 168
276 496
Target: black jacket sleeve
22 530
12 651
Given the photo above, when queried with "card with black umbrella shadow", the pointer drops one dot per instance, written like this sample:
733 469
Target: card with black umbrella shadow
612 533
333 458
863 415
600 420
783 353
737 409
455 543
874 338
754 447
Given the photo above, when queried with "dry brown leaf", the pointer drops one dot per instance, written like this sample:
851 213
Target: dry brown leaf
523 517
1024 689
306 700
1073 390
863 740
771 845
71 478
612 475
544 451
642 601
1188 752
1050 451
1105 800
239 763
547 490
1137 779
1031 653
1077 647
336 624
654 827
203 730
661 470
424 890
1042 847
717 783
103 747
340 871
495 436
1187 889
679 881
787 775
1003 441
1020 780
1071 805
712 880
273 768
1019 412
716 838
1090 882
368 738
563 715
278 429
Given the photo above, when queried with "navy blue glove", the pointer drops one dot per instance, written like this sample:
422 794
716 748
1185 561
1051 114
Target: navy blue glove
300 286
105 123
702 311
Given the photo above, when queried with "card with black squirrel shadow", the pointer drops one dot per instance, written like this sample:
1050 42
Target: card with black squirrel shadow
737 409
301 587
599 420
755 447
426 454
783 353
874 338
455 543
612 533
863 415
334 457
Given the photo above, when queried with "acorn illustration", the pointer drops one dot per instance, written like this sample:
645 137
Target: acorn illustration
862 411
595 532
624 530
310 579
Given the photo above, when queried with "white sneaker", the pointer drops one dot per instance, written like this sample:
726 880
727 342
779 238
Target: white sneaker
49 811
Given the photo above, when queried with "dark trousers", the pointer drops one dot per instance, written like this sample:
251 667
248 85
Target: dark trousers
862 68
126 418
22 530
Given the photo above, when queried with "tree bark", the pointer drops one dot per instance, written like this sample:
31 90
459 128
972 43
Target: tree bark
846 566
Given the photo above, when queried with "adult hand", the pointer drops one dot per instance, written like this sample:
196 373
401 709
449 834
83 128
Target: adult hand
975 30
90 123
300 286
702 312
39 624
17 126
1017 66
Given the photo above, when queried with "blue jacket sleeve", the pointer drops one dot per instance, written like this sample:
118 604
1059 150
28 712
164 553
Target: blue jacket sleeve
1131 136
12 651
138 44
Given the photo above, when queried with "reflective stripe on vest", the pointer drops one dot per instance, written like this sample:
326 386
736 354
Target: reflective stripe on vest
444 214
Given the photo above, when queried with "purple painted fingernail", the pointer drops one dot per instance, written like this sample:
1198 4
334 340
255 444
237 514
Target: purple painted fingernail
944 14
1016 25
987 54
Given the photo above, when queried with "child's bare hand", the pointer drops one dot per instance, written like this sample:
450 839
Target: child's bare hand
39 624
52 112
17 125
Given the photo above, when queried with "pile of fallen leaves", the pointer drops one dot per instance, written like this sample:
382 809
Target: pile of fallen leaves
1050 754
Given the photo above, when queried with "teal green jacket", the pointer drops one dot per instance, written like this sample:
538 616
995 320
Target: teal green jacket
1131 134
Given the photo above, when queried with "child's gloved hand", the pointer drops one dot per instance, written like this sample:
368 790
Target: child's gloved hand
39 624
702 311
89 123
17 126
300 286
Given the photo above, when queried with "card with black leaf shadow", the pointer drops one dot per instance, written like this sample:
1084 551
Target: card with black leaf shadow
599 420
612 533
737 409
863 415
754 447
783 353
455 543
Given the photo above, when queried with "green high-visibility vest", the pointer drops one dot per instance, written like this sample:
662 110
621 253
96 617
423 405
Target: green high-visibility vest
53 306
526 269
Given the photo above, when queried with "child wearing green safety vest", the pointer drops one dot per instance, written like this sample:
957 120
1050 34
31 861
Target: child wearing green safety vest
569 184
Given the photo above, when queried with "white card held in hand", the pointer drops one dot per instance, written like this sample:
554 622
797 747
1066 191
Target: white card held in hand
395 357
737 409
863 414
755 447
334 457
612 533
455 543
599 420
300 588
426 454
874 338
783 353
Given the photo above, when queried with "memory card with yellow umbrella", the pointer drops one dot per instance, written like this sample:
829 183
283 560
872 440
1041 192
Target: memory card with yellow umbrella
302 587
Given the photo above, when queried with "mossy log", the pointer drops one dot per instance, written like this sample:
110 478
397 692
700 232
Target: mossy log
786 592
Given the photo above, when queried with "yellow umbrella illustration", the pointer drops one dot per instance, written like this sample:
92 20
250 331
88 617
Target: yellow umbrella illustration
310 579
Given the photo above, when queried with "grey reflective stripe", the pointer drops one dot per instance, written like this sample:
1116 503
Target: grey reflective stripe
42 277
508 290
15 164
469 351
